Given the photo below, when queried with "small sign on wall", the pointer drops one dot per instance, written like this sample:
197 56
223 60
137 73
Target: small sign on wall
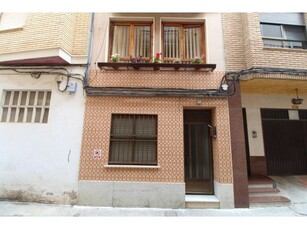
97 153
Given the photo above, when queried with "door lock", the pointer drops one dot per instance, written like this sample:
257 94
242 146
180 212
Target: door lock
186 158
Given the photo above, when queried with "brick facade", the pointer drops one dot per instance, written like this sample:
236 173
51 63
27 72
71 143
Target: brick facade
244 49
68 31
233 39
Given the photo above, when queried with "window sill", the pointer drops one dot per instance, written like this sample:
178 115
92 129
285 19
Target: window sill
133 166
156 66
285 49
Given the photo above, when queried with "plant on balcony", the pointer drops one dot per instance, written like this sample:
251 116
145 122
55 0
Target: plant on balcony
157 58
136 59
177 61
198 60
115 58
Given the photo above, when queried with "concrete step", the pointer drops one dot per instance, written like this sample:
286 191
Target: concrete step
258 181
268 201
201 202
267 185
263 191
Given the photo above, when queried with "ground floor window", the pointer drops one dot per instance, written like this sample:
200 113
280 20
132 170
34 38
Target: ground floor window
25 106
133 139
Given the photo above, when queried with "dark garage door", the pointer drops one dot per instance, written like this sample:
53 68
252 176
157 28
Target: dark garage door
285 142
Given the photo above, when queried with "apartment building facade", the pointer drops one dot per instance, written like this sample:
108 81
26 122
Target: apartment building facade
267 52
155 130
43 59
149 109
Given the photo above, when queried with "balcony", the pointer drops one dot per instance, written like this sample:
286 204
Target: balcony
157 66
284 43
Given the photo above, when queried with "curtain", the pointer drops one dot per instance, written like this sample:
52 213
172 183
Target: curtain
142 41
172 36
192 37
133 139
121 41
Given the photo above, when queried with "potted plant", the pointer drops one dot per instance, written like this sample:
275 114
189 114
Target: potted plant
177 61
115 58
198 60
157 58
138 59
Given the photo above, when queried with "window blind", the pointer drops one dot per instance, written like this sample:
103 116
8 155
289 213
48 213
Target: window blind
283 18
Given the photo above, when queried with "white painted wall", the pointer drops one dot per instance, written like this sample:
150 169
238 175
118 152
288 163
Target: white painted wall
253 103
40 162
214 39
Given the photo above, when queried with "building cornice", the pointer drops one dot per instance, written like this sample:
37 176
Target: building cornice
50 56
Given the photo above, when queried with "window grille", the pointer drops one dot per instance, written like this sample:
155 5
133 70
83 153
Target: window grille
133 139
131 39
25 106
184 41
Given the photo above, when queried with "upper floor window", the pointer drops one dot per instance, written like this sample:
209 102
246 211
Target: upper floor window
183 40
131 39
284 30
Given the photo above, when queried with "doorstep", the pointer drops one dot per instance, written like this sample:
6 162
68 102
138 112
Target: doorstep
268 201
201 201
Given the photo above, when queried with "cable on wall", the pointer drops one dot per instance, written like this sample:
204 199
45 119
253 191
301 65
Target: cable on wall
230 78
37 72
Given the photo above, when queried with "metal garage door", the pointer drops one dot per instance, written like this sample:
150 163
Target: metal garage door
285 142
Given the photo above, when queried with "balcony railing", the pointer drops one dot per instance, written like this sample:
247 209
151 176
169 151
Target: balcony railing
156 66
284 43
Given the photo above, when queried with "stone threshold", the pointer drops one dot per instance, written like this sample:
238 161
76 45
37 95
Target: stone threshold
201 201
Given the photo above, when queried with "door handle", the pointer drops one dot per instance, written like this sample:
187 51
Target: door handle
186 158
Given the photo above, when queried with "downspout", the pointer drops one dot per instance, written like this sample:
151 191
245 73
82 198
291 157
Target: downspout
89 53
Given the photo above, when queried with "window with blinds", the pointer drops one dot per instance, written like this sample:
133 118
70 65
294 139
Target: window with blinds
131 39
283 30
133 140
25 106
184 41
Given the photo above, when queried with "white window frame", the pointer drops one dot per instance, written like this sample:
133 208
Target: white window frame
283 20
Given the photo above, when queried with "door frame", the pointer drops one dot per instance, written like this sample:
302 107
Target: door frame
208 121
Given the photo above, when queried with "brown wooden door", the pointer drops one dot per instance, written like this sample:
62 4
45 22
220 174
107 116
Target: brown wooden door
198 152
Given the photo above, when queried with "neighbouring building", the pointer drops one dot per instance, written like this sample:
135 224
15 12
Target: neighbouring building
43 60
268 53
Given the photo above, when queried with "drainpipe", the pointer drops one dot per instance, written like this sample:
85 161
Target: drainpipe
89 53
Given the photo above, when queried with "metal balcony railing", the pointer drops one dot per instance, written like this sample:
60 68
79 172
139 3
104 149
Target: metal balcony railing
284 43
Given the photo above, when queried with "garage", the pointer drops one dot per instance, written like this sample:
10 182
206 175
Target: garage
285 141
